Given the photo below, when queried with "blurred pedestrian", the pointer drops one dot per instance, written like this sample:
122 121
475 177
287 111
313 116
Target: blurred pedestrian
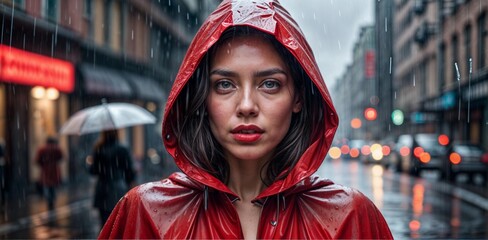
113 165
248 121
48 157
3 163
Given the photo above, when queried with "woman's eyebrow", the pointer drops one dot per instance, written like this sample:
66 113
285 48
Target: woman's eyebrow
269 72
263 73
223 72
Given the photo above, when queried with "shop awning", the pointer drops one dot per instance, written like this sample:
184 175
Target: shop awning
145 88
104 81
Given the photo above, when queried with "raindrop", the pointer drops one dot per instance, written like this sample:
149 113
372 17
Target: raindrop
52 45
395 94
386 24
132 34
34 33
414 80
3 23
469 86
339 43
12 23
340 14
459 89
152 53
390 65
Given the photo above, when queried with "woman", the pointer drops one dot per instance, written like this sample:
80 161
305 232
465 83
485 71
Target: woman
112 164
248 121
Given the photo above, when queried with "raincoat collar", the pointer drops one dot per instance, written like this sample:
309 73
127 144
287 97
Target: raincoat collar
270 17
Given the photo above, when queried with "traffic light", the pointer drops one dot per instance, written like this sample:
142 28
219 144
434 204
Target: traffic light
370 114
397 117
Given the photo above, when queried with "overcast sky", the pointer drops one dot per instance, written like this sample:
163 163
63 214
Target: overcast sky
331 28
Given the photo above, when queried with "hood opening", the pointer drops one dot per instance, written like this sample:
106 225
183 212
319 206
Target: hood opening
186 131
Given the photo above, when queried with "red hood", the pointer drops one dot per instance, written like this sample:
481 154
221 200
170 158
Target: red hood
268 16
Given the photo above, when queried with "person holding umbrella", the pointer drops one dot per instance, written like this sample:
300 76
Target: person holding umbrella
112 163
248 121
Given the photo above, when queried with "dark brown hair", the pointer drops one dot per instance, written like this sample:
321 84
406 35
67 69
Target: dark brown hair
192 128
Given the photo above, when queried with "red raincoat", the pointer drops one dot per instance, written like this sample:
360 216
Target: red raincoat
195 204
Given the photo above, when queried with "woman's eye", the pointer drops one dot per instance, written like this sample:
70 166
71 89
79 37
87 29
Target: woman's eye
224 85
271 84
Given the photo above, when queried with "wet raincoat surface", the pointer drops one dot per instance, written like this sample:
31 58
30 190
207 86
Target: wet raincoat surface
195 204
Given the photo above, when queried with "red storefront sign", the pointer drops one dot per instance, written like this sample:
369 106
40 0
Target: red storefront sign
26 68
369 64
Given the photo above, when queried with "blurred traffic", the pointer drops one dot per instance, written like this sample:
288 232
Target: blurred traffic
414 153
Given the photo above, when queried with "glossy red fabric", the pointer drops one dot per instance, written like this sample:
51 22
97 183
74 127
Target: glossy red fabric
195 204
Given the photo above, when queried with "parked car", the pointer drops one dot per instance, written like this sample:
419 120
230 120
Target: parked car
374 154
414 153
387 147
355 146
462 157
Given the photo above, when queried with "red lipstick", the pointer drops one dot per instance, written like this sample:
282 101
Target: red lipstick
247 133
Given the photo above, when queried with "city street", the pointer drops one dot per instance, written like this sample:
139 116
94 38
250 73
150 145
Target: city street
416 208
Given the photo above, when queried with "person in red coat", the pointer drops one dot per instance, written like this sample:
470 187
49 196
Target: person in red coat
248 121
48 158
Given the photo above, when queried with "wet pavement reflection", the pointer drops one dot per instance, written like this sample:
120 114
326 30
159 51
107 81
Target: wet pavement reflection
415 208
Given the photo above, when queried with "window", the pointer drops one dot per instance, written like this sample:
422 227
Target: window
20 4
442 65
482 33
107 22
467 41
455 57
51 10
88 9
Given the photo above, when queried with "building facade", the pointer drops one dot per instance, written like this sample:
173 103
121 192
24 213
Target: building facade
118 50
440 68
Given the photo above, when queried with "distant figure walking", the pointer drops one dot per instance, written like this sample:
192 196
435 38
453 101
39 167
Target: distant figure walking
3 162
48 158
112 163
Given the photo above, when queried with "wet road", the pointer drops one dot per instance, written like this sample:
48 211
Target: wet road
414 207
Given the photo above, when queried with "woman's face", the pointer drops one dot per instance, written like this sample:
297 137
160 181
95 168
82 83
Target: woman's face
251 98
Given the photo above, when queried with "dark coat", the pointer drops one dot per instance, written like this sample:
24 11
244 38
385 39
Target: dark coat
195 204
113 165
48 158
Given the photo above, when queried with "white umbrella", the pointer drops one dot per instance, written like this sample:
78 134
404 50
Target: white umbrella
107 116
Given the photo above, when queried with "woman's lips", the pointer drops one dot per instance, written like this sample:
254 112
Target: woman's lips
247 133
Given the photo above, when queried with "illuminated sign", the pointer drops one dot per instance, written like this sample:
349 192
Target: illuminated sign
26 68
369 64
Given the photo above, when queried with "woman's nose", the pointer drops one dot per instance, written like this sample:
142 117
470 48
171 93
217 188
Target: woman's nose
247 105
